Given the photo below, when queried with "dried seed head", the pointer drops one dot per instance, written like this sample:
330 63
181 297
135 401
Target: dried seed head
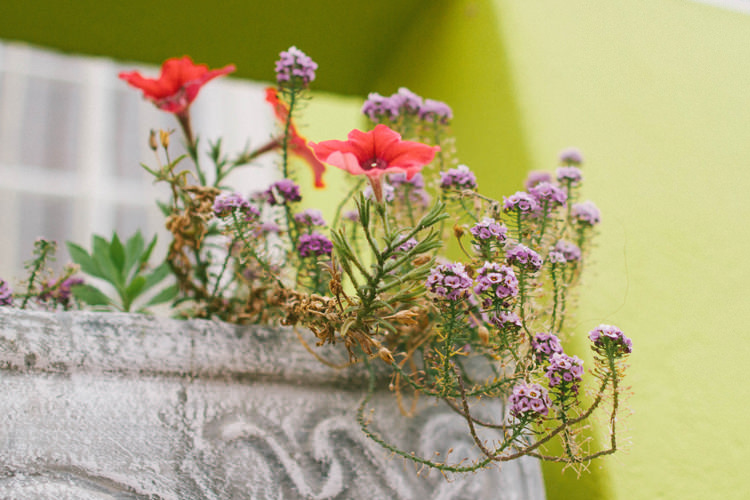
458 231
484 334
386 355
421 260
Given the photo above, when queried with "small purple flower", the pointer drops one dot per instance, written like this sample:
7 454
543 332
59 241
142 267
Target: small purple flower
524 257
314 244
351 215
399 179
545 345
458 178
407 101
500 281
564 371
406 246
585 213
227 203
269 228
570 251
389 193
549 194
59 294
570 175
529 401
506 320
435 111
489 229
555 257
295 67
449 281
571 156
520 201
6 294
309 217
377 108
610 339
535 177
282 192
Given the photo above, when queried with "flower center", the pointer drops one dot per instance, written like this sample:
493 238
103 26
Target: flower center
374 163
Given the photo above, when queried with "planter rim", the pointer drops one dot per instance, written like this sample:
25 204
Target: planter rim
126 343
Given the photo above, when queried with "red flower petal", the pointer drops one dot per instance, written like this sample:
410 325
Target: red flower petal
375 152
297 143
177 85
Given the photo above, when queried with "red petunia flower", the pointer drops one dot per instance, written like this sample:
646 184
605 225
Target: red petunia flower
178 84
296 143
376 152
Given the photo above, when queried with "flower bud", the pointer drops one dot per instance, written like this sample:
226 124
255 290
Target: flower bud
164 137
152 140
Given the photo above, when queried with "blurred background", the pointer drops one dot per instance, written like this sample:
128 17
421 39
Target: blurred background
654 93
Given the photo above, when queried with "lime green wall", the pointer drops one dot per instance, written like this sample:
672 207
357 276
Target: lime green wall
655 94
346 38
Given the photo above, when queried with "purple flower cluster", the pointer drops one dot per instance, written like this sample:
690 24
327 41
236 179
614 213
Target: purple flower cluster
435 111
449 281
585 213
282 192
565 371
535 177
295 67
506 320
571 156
309 217
610 339
410 190
389 193
314 244
405 102
545 345
570 175
497 281
6 294
529 401
458 178
524 257
549 194
227 203
407 245
569 251
520 201
60 294
489 229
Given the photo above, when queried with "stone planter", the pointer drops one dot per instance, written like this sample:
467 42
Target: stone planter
120 406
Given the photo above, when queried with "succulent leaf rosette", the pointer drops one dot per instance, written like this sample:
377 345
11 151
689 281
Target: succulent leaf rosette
375 276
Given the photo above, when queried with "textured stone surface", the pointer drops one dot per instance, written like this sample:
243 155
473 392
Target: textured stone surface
116 406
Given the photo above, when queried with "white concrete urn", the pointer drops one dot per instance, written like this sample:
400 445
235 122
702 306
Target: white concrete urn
124 406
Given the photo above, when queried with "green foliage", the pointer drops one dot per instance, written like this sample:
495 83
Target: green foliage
125 268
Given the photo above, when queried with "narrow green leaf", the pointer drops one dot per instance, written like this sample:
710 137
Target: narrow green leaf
90 295
102 258
83 259
134 289
165 295
157 275
147 254
117 255
133 251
